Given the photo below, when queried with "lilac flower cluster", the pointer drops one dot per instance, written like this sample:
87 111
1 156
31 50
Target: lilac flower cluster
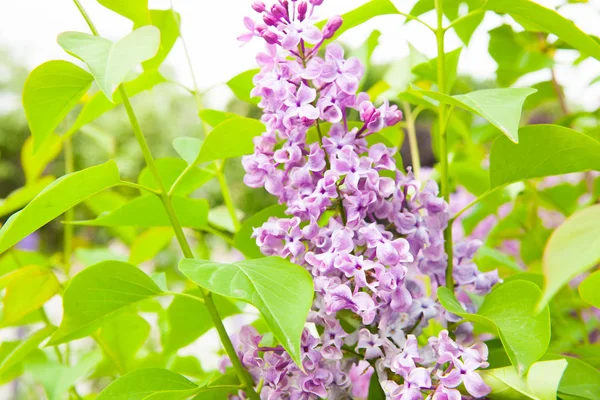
371 236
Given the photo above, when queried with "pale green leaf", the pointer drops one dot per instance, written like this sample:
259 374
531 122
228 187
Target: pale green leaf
122 338
148 211
27 289
151 242
589 289
265 283
110 61
544 150
57 198
135 10
151 383
34 163
231 138
20 197
540 383
510 311
188 148
169 170
167 22
573 248
99 292
215 117
50 92
241 85
24 348
500 107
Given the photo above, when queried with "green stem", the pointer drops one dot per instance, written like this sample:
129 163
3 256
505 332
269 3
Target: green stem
442 114
140 187
68 227
412 139
464 17
243 375
413 18
185 295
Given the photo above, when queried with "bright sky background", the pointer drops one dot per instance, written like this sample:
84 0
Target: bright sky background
29 28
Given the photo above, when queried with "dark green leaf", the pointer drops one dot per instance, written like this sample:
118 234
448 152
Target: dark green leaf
544 150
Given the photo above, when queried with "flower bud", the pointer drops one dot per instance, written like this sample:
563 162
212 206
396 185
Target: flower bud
302 8
332 26
270 37
258 6
269 20
316 2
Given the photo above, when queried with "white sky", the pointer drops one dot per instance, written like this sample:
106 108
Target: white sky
29 28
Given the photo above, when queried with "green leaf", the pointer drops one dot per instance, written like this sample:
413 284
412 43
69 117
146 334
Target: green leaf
99 104
24 348
50 92
266 284
122 339
34 163
428 69
184 330
375 390
169 170
57 198
135 10
99 292
151 383
243 240
544 150
17 258
362 14
110 61
517 53
541 382
20 197
537 18
589 289
579 379
58 378
188 148
215 117
466 26
573 248
231 138
147 245
167 22
148 211
510 311
27 289
501 107
241 85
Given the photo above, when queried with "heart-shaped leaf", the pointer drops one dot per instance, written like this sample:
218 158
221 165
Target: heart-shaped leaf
266 283
510 311
50 92
109 62
99 292
573 248
57 198
501 107
544 150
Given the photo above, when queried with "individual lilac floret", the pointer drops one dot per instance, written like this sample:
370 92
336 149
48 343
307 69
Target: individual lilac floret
370 234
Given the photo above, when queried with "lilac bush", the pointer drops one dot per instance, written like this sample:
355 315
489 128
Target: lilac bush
371 235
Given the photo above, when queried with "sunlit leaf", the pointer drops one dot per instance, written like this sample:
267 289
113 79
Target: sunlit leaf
135 10
243 240
146 384
241 85
57 198
25 348
50 92
589 289
109 62
20 197
573 248
147 245
231 138
99 292
265 283
167 22
428 69
169 170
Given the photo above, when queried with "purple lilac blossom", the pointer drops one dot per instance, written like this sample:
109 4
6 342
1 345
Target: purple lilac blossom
370 235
